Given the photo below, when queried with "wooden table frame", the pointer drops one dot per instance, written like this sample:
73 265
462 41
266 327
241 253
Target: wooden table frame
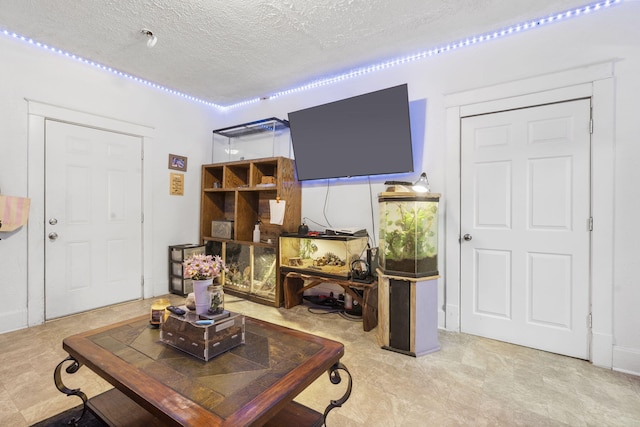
294 285
159 404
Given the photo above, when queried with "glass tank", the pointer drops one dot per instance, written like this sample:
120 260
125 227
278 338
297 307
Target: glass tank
409 234
238 260
252 268
322 255
264 272
253 140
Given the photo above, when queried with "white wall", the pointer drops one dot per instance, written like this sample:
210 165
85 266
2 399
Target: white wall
611 35
184 128
179 127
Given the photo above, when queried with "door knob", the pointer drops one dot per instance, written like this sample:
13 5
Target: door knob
53 221
53 236
467 237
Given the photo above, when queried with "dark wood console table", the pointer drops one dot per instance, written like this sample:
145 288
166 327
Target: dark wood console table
251 385
294 286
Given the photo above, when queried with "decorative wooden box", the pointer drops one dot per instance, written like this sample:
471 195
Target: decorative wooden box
222 229
203 341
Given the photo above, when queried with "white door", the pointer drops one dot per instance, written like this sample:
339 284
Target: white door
525 215
93 249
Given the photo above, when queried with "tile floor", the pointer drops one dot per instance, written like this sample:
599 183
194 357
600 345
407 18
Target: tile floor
471 381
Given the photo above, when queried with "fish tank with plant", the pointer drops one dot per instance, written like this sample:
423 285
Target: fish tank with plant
409 234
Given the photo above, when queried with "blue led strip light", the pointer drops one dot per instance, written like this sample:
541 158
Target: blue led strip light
469 41
111 70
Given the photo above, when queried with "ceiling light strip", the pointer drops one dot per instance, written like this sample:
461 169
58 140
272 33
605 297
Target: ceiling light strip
109 69
469 41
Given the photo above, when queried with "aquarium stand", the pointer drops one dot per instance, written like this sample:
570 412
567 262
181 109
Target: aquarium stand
294 285
408 314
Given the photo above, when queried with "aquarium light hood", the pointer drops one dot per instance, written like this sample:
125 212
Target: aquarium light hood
422 184
346 231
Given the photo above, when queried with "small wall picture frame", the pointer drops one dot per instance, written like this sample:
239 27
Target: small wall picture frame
178 163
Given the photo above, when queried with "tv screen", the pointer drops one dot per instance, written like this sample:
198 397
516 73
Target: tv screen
368 134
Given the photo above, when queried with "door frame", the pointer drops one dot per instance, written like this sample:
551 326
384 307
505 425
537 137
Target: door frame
38 112
594 81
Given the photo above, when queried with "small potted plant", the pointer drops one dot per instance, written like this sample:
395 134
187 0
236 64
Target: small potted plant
202 269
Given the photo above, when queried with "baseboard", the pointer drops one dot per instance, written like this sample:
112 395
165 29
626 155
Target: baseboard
626 360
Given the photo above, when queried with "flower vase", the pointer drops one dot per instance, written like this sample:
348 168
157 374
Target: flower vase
202 296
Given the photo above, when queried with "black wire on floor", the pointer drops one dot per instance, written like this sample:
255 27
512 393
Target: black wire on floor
351 317
323 310
332 310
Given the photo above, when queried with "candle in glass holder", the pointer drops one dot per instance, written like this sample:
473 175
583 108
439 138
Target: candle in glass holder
158 312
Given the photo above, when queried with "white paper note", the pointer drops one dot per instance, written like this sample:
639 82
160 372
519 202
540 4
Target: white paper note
277 211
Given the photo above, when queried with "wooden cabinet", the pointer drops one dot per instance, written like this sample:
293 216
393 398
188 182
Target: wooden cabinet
408 314
235 196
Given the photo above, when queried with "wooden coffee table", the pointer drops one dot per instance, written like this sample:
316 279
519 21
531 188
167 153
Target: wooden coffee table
253 384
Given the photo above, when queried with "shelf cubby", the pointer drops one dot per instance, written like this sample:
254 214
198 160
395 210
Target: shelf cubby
236 176
212 177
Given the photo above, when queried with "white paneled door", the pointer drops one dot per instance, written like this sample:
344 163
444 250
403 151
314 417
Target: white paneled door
93 249
525 227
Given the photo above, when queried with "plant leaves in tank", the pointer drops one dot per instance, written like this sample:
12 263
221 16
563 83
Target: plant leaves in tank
410 240
307 248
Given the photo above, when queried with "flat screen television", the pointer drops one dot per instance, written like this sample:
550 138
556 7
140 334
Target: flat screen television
368 134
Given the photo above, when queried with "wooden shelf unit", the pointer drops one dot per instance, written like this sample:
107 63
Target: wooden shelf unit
234 191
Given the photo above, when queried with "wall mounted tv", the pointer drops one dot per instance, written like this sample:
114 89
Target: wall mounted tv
368 134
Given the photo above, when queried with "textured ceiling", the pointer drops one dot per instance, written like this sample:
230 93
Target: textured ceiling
230 51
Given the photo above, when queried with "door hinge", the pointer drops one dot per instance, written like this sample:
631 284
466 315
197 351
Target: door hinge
590 320
590 126
590 223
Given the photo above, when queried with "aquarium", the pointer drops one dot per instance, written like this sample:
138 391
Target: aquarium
254 140
322 255
409 234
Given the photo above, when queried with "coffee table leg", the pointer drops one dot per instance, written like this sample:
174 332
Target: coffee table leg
71 369
334 377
